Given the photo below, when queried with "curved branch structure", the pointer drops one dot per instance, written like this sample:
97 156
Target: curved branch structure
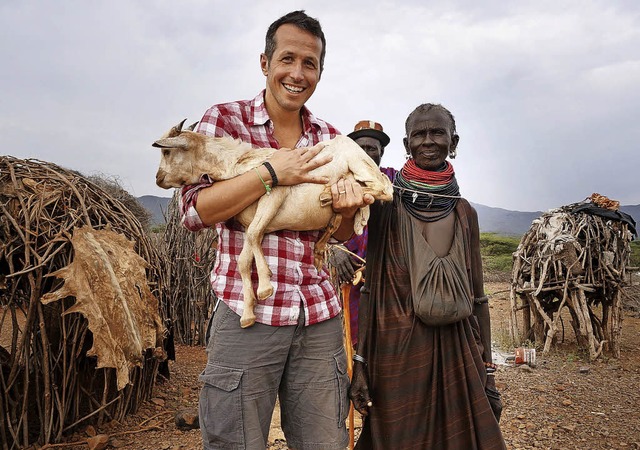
571 259
55 370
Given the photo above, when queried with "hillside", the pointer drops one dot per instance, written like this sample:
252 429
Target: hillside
157 206
492 220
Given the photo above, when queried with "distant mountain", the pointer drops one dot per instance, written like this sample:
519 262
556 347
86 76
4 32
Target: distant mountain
633 211
492 220
157 206
503 221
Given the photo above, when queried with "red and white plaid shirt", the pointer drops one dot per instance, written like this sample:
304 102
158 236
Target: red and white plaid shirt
289 254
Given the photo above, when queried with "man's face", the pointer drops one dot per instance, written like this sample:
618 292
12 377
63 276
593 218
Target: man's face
429 139
372 147
294 69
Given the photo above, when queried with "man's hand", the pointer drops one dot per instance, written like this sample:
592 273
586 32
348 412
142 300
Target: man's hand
348 197
344 264
294 166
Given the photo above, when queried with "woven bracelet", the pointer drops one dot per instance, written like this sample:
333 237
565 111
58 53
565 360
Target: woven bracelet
274 177
481 300
266 186
359 358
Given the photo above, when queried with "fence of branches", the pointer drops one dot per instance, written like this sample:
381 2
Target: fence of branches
189 258
49 384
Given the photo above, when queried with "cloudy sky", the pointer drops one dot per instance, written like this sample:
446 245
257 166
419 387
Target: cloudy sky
546 94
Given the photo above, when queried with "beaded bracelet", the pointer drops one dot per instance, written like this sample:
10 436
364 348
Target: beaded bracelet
274 177
266 186
491 368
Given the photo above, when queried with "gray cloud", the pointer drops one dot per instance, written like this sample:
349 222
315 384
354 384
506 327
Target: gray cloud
545 94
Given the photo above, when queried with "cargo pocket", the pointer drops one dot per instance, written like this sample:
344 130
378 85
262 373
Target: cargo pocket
221 408
342 378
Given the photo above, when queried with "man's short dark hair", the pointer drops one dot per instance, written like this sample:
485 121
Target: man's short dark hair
301 20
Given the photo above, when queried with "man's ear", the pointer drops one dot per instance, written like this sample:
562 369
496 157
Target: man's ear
264 64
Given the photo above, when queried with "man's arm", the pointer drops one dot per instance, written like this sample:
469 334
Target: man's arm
224 199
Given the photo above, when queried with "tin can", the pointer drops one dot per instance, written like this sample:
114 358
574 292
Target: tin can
525 355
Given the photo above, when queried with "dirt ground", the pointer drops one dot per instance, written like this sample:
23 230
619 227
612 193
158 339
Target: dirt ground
565 402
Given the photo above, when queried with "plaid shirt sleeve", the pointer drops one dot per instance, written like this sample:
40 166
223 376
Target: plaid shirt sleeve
187 204
211 124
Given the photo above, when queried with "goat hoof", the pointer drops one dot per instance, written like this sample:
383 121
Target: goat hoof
264 294
246 322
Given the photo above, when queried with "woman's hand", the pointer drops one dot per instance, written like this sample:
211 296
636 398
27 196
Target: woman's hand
359 390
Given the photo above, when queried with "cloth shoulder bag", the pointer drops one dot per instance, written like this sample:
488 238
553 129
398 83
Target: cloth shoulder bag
441 289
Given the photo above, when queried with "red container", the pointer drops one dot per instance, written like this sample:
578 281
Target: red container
525 356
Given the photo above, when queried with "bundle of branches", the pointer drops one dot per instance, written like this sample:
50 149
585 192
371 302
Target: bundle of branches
189 258
79 321
573 257
113 186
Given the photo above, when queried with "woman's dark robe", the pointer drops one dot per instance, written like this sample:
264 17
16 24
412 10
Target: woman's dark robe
426 382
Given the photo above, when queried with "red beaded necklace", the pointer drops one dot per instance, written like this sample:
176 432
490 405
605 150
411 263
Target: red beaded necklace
411 172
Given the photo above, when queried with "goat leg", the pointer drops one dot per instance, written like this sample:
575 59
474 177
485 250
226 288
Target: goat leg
268 207
245 259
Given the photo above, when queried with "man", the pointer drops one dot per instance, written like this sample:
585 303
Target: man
371 137
295 349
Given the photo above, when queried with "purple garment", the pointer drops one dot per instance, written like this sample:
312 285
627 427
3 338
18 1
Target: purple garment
358 245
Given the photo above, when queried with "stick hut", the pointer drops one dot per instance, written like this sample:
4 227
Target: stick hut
55 372
572 258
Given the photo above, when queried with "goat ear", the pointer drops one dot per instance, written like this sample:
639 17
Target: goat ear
192 126
172 142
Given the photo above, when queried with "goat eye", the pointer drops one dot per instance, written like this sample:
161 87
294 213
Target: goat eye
166 152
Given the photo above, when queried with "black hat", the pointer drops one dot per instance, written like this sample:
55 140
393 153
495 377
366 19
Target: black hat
369 128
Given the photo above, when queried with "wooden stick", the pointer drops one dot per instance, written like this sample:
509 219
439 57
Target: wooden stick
346 290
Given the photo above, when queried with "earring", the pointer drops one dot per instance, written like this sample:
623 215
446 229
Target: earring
453 153
407 156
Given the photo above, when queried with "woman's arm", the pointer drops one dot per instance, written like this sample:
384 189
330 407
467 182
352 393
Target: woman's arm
480 305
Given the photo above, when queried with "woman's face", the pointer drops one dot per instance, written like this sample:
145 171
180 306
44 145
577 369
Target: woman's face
429 139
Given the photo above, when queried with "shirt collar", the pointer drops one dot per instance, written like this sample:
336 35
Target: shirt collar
261 116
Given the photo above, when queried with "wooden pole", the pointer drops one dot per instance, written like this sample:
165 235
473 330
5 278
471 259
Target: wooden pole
346 290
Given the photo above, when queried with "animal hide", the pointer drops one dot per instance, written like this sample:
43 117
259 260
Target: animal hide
107 278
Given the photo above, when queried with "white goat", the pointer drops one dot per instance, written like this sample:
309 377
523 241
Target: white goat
187 155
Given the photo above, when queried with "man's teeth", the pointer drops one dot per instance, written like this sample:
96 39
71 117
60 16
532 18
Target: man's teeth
293 88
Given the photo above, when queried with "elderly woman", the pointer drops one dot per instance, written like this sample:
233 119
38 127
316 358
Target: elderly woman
423 375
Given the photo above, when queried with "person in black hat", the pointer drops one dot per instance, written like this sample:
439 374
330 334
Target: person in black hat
372 139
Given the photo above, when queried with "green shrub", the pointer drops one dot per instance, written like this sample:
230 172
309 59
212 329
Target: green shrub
492 244
500 263
497 251
635 254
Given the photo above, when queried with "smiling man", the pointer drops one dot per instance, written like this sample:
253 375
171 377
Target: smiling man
295 349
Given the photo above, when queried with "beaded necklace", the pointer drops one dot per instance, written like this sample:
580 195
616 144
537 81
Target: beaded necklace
427 195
